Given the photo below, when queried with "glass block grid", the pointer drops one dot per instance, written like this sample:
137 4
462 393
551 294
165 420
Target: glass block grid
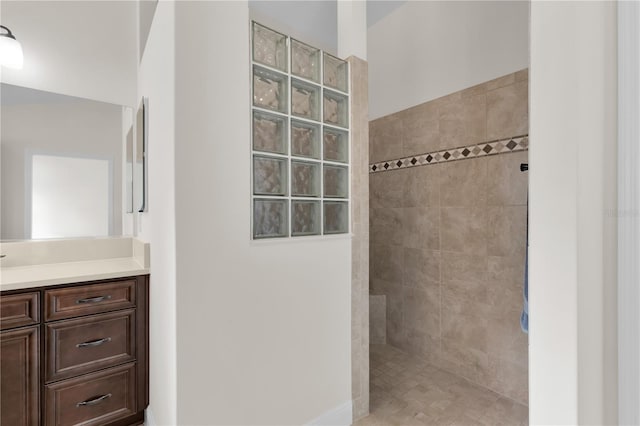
300 138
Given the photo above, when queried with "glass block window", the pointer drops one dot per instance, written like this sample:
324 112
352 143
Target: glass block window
299 139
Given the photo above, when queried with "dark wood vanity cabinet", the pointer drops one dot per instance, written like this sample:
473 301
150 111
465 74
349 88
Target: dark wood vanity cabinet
75 354
19 377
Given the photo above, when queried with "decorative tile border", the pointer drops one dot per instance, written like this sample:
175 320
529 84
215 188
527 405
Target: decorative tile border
504 146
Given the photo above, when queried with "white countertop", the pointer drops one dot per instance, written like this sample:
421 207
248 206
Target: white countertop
44 263
24 277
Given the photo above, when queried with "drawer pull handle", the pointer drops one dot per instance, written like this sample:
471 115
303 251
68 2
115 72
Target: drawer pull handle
93 401
93 343
93 299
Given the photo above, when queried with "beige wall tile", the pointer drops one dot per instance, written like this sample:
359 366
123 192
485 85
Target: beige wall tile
421 268
506 184
505 285
386 226
454 279
379 286
422 187
485 87
421 129
522 75
378 319
463 122
478 89
499 82
386 262
361 407
356 380
447 99
385 138
505 288
422 344
464 267
463 327
505 339
508 269
356 314
422 311
360 241
387 189
364 332
396 335
464 183
507 231
415 343
508 111
377 183
421 227
464 230
465 297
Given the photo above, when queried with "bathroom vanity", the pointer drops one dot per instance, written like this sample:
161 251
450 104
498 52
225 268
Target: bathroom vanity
74 306
74 338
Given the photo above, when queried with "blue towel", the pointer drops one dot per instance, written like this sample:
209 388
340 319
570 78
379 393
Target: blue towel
524 318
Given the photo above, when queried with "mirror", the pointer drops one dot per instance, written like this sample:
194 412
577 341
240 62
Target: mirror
67 166
140 165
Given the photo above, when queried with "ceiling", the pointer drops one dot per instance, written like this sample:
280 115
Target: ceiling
378 9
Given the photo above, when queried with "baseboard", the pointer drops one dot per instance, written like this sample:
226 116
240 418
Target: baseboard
341 415
148 418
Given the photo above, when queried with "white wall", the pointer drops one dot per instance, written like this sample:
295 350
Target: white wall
352 29
67 127
427 49
263 328
629 211
79 48
146 10
157 226
572 174
376 10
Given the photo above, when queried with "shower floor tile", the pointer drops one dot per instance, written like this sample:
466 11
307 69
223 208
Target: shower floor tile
407 391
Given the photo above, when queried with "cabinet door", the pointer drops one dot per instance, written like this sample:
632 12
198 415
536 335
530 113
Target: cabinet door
20 377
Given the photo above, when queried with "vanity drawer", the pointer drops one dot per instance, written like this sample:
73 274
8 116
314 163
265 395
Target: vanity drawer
93 399
18 310
82 345
88 299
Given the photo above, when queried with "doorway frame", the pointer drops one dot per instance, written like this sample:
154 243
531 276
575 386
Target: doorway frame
628 213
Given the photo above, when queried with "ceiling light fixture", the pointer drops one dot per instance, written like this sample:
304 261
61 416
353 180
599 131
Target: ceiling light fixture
10 49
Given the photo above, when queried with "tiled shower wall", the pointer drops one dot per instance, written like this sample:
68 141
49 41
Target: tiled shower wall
360 237
448 239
